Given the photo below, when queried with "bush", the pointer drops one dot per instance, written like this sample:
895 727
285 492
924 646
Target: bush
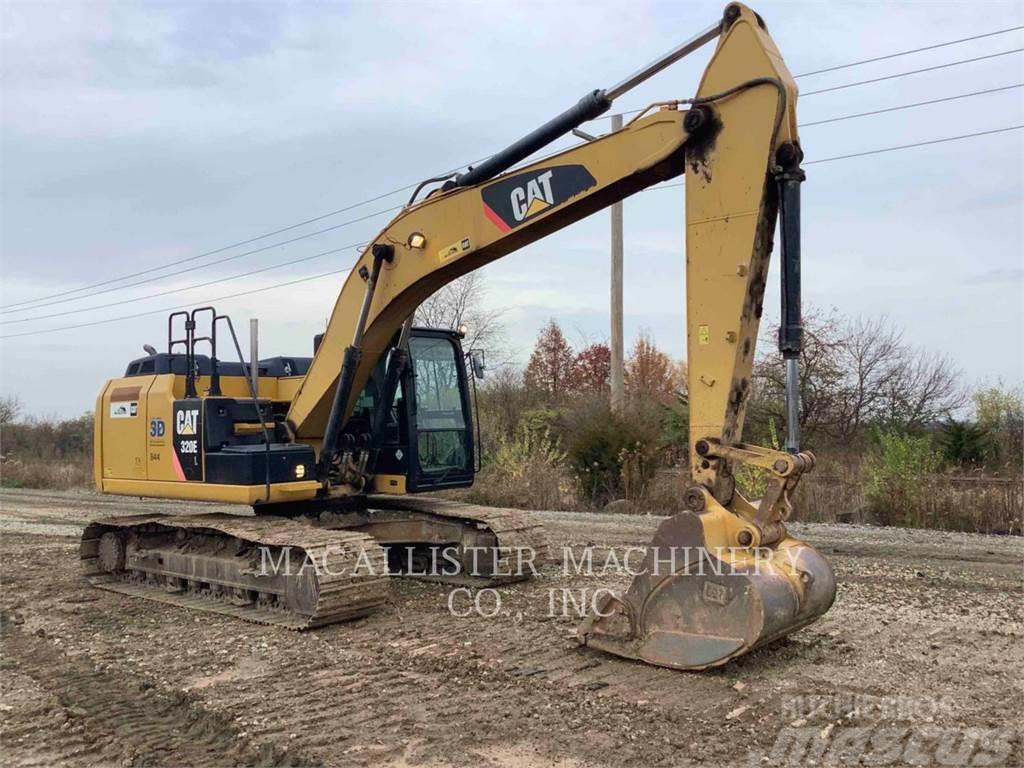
526 471
614 456
45 453
753 481
1000 411
896 471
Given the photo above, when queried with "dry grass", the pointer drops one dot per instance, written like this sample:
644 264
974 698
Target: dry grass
41 473
538 484
951 503
971 503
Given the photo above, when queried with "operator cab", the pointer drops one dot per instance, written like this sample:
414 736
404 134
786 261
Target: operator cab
425 433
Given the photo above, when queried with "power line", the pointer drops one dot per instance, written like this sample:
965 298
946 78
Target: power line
877 151
209 264
215 263
210 253
908 52
185 288
911 106
912 72
215 251
353 245
69 292
171 309
338 271
882 58
915 144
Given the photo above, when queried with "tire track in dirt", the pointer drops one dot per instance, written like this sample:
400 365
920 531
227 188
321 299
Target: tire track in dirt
119 719
413 684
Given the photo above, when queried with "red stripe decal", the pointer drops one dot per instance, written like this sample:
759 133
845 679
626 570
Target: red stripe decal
177 464
496 219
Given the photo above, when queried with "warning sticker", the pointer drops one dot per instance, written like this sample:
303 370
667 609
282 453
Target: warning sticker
454 249
124 409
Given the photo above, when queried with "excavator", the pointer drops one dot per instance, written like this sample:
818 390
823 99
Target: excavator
331 451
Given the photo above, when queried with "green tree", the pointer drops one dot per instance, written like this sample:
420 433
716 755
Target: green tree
964 445
896 471
1000 410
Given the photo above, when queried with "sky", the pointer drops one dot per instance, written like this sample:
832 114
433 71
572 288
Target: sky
137 134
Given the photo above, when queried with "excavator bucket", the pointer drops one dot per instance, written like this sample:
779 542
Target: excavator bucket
700 600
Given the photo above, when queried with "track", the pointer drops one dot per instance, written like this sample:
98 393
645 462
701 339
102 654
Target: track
350 569
97 678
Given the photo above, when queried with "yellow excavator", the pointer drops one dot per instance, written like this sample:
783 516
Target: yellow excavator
330 450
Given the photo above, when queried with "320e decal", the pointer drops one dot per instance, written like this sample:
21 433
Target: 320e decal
188 440
519 198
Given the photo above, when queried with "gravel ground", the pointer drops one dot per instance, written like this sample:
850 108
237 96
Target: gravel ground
919 662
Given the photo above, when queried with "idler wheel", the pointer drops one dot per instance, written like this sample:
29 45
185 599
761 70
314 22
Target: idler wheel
111 553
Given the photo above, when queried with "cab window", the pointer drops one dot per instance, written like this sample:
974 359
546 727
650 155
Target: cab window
440 419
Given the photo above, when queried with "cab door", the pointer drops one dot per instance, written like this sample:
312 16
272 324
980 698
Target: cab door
440 423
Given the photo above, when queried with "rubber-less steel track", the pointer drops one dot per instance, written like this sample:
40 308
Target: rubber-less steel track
348 579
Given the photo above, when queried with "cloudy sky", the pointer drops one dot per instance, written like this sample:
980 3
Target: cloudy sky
137 134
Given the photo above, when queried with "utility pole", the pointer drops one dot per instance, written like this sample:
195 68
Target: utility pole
617 361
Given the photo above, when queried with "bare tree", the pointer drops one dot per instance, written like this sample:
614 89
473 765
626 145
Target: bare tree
854 373
926 388
871 355
503 400
461 303
10 409
821 378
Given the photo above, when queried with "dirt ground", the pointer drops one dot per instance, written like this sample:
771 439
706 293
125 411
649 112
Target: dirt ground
926 633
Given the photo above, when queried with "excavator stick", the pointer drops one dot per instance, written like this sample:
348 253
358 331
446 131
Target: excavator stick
725 577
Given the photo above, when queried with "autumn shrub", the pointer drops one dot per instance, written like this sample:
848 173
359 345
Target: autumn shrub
527 470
